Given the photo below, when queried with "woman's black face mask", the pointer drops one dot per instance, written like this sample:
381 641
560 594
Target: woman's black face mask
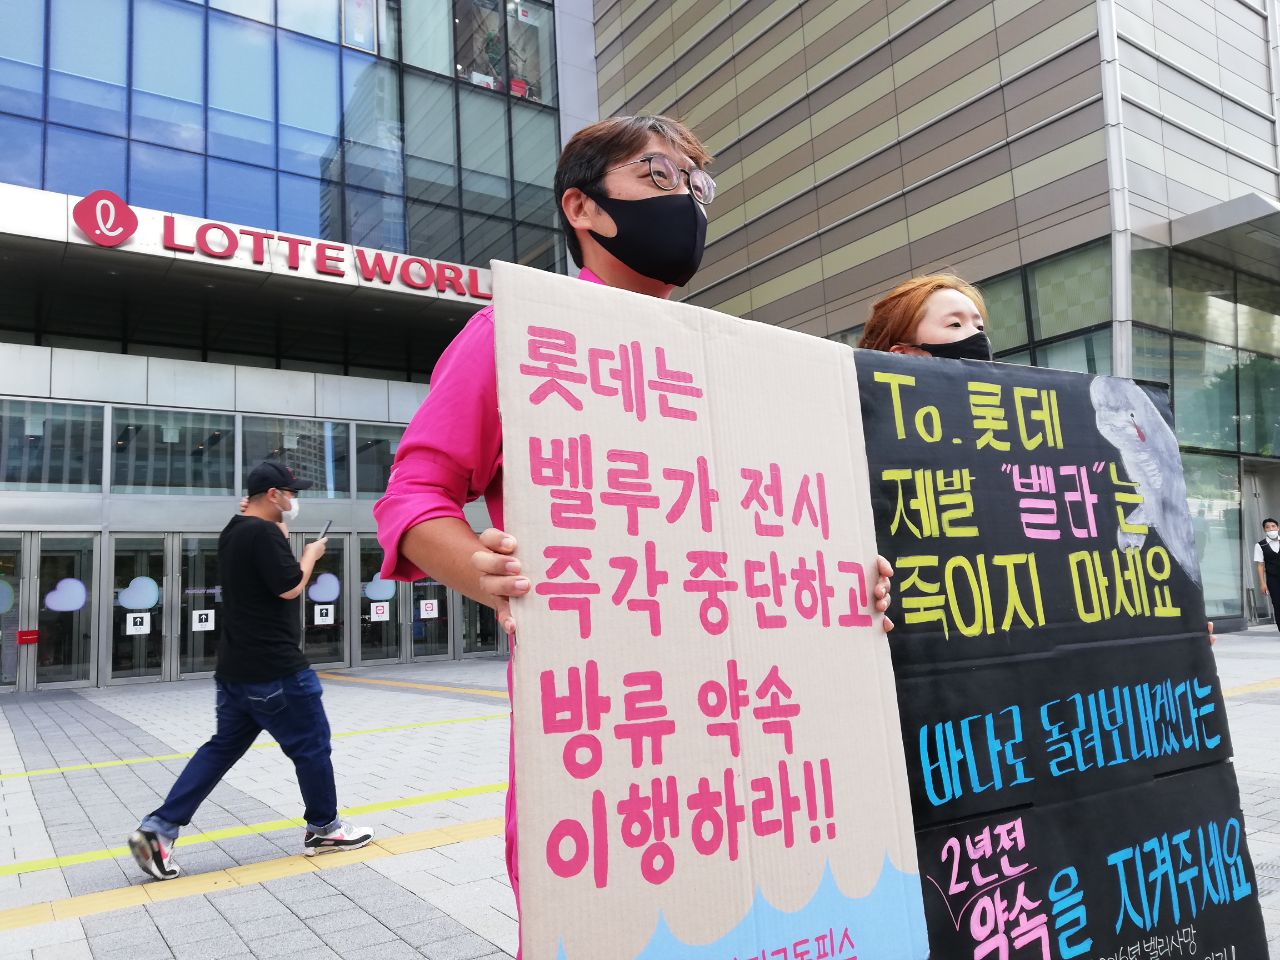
976 347
659 237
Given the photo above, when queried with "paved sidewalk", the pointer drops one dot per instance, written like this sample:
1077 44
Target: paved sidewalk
420 753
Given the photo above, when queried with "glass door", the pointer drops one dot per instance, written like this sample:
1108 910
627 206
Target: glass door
138 606
10 603
66 621
324 624
479 629
379 611
199 619
429 616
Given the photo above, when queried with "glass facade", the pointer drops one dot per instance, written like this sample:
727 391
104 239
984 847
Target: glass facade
1210 332
426 126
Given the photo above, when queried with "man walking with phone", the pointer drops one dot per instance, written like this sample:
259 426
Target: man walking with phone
263 680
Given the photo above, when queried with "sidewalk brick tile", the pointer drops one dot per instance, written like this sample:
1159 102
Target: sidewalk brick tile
431 931
327 923
465 947
306 908
283 944
366 935
207 949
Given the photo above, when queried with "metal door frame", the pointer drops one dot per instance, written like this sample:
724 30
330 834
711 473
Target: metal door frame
350 641
106 604
174 654
37 538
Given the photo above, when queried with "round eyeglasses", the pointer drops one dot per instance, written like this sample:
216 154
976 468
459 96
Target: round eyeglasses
666 176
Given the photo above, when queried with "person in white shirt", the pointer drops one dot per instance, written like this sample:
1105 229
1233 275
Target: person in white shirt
1266 558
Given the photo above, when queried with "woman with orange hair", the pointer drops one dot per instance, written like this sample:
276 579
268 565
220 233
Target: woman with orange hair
937 316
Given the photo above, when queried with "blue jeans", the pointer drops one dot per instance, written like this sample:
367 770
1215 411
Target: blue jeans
288 709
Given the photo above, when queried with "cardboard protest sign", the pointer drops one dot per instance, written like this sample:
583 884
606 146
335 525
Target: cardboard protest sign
1065 731
706 737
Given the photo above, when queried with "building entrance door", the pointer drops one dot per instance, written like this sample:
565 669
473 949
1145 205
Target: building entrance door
137 628
324 604
63 597
12 584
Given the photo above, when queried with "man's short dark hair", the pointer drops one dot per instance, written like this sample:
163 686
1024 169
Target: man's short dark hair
594 149
1271 520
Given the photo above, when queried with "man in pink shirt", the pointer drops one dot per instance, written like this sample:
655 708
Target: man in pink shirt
632 192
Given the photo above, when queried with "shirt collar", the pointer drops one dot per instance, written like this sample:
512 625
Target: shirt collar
587 275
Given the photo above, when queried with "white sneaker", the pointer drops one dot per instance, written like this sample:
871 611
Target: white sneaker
346 836
152 854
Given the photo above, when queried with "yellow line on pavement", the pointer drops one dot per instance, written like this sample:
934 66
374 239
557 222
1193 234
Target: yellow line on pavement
440 687
102 764
245 830
190 886
1261 685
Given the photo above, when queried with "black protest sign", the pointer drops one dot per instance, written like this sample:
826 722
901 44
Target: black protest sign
1152 871
1051 658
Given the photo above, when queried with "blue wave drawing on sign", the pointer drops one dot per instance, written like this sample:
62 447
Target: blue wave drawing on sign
886 924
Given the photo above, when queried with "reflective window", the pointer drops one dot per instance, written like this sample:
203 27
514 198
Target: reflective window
389 28
309 107
242 194
1204 394
316 17
68 612
1006 311
315 450
379 611
429 614
324 626
1202 299
88 40
301 200
434 232
536 148
375 219
22 58
530 27
1259 404
1152 299
168 73
11 574
485 170
1213 494
1151 355
242 90
1258 315
360 24
50 446
165 179
1071 291
201 623
427 37
137 608
78 163
1022 357
164 451
253 9
485 239
479 47
479 628
1090 353
431 164
20 151
376 447
371 98
539 248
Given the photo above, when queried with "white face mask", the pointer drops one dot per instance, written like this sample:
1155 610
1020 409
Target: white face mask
1273 534
292 513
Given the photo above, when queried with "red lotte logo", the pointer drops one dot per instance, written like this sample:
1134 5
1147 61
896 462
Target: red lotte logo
105 218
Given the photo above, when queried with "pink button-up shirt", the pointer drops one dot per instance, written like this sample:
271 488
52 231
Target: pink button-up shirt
451 452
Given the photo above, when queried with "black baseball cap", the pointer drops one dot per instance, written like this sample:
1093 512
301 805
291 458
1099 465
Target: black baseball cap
273 473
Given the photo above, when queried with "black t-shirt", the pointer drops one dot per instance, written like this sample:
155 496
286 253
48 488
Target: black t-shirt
260 632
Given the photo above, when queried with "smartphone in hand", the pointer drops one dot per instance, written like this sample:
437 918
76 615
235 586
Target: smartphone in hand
324 531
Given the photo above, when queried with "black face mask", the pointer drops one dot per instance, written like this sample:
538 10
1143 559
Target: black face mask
658 237
976 347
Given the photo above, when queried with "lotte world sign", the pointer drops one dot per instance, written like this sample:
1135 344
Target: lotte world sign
103 219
